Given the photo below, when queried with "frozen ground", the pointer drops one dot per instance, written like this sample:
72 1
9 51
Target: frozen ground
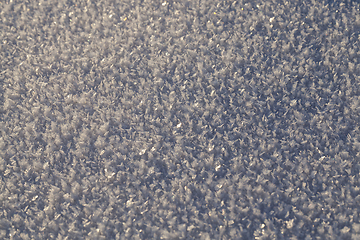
179 119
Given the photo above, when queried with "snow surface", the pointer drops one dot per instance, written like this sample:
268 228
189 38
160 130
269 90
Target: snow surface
168 119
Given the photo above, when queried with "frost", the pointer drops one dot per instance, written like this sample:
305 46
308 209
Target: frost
142 152
179 120
218 167
211 147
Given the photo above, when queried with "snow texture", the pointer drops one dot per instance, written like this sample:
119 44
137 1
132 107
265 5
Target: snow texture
179 119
